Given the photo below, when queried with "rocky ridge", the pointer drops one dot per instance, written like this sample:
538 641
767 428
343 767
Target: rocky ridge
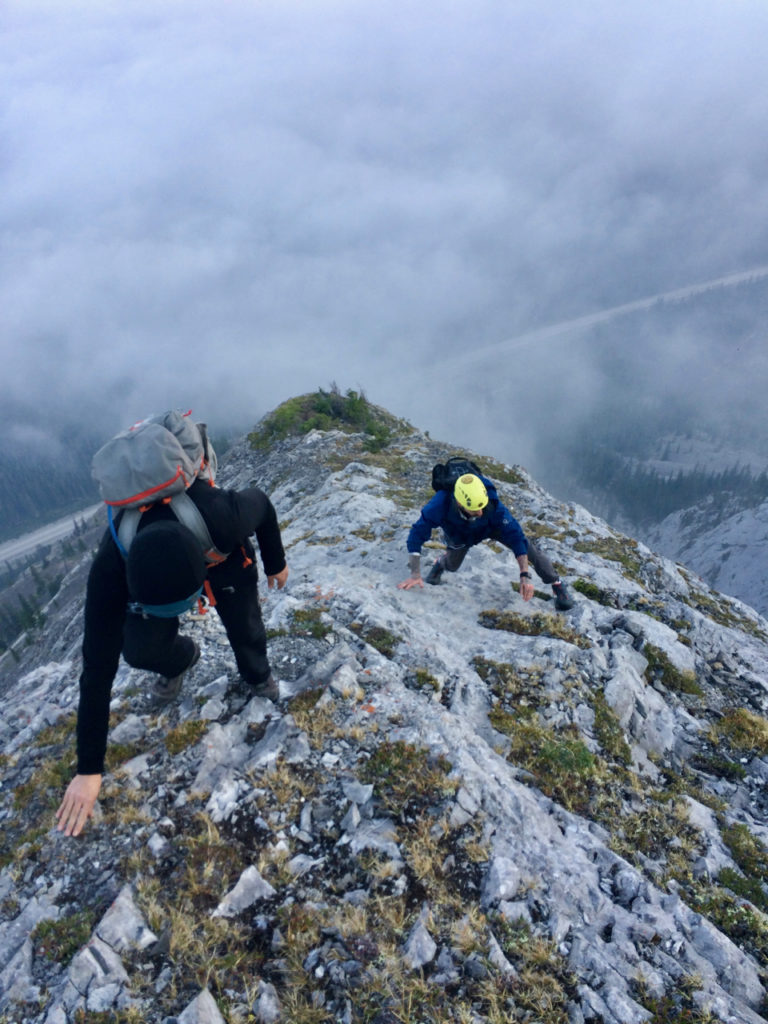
463 808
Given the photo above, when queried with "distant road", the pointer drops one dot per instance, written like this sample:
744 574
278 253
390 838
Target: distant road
481 354
12 550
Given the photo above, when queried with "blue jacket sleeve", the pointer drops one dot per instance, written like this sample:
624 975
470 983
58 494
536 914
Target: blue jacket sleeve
510 531
432 516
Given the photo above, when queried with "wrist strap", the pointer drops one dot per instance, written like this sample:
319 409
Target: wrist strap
525 575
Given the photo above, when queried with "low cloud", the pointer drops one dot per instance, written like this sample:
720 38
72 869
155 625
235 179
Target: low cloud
222 206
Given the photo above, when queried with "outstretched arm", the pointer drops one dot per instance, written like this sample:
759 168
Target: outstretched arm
431 518
105 603
105 609
256 514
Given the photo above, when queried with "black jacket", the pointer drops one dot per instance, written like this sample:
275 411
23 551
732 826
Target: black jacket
232 517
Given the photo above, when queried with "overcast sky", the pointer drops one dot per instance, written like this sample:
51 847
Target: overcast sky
221 205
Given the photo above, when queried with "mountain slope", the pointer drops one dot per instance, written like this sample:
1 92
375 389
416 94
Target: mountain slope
464 808
729 550
695 499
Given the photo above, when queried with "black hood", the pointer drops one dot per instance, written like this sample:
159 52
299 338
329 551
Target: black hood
165 564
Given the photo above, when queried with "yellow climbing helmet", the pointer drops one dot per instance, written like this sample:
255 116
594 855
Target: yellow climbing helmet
469 491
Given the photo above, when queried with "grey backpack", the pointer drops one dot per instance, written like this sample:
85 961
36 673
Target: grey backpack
154 461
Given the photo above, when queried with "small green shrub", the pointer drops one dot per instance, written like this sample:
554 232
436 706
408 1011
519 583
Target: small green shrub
535 529
59 940
43 788
119 753
752 859
326 410
499 472
677 1008
306 700
746 888
721 612
651 831
747 850
59 732
131 1015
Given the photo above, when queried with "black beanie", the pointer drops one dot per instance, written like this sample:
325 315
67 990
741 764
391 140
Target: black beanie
165 564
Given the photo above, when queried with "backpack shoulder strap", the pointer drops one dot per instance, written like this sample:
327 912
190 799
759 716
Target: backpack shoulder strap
126 531
187 512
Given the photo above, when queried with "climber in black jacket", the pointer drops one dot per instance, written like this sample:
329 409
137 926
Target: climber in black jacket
132 606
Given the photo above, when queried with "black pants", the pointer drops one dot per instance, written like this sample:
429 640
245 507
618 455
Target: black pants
544 569
239 610
155 645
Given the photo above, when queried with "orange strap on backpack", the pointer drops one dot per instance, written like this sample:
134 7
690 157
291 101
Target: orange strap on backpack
201 607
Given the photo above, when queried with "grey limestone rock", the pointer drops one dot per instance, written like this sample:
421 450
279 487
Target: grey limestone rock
250 888
202 1010
489 808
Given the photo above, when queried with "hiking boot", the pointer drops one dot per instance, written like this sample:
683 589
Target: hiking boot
165 689
435 573
563 600
268 689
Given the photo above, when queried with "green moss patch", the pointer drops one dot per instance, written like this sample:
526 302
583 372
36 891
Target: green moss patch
309 622
615 549
378 637
661 668
425 680
510 686
499 472
562 765
537 624
608 731
536 528
405 776
184 735
746 732
720 611
543 986
594 593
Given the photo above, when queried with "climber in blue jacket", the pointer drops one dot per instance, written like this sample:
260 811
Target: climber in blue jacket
471 513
